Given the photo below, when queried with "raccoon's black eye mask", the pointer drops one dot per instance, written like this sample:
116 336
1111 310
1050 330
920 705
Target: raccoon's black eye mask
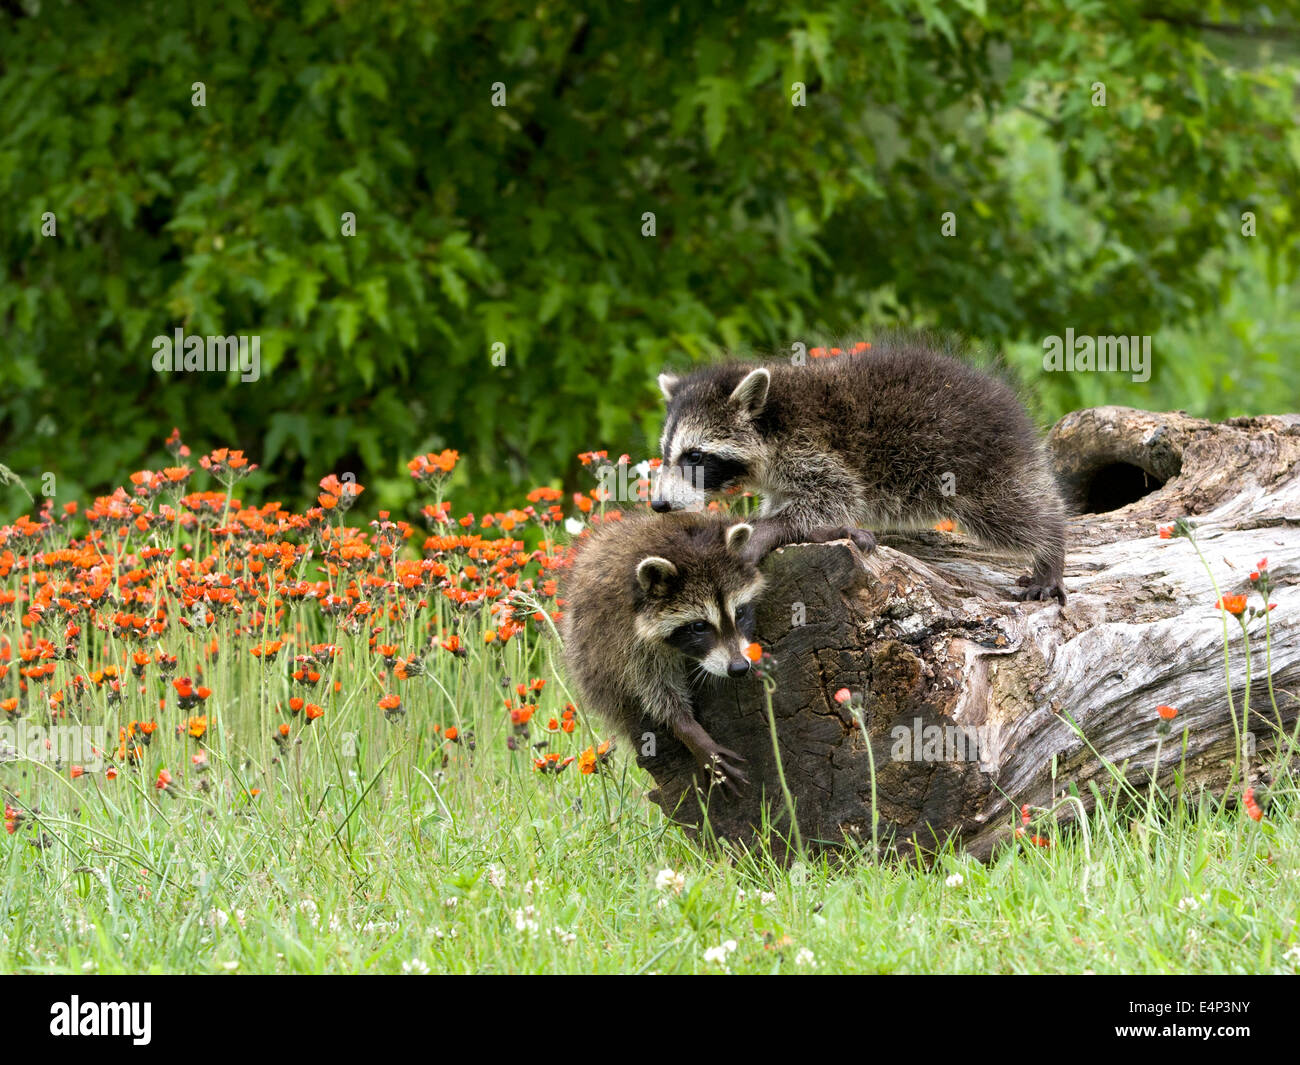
695 638
745 620
711 472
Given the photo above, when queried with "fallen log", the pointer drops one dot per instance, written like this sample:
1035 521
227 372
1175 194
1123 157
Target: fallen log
974 703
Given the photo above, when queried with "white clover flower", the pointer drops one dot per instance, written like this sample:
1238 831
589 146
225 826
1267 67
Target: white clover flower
767 897
574 526
718 954
565 937
1189 904
524 920
666 879
534 885
805 959
416 966
956 880
496 877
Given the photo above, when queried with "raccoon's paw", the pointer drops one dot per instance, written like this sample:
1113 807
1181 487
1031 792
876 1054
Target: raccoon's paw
720 768
864 539
1031 590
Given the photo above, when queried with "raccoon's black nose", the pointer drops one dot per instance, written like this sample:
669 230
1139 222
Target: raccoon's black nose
660 506
738 667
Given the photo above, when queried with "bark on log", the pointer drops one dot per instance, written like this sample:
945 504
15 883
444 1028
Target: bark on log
924 633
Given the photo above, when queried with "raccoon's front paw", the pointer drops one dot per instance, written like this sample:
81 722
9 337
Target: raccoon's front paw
719 767
863 538
1032 590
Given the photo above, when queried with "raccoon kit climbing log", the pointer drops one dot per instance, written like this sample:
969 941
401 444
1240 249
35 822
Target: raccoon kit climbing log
965 693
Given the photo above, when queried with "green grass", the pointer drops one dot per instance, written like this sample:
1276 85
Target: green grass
390 862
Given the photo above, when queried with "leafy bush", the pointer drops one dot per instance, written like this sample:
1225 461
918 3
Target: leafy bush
525 225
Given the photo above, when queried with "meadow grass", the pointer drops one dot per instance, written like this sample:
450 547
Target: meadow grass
417 834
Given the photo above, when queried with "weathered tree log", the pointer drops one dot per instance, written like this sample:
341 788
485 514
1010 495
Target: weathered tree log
925 634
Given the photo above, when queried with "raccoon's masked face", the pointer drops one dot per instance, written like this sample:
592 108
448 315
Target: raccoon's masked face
704 608
709 444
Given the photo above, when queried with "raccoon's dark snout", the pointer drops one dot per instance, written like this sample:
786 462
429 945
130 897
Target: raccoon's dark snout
738 667
660 506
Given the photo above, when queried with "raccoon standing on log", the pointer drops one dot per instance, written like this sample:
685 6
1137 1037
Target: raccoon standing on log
652 604
898 436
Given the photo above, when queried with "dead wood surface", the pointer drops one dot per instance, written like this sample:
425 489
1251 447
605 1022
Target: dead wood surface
924 632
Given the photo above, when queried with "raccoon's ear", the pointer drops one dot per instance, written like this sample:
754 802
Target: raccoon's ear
751 394
653 574
738 536
668 383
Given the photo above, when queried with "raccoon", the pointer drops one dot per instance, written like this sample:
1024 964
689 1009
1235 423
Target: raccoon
651 605
895 436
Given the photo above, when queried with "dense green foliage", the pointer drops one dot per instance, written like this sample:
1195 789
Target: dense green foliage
523 224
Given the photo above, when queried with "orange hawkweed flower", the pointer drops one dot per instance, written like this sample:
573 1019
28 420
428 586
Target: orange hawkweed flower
552 763
1233 604
590 759
312 712
1168 713
754 652
197 726
1253 810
